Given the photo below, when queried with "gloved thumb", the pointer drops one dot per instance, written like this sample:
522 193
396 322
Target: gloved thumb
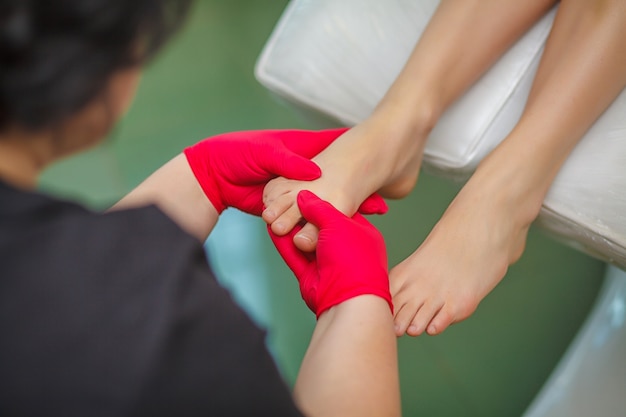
315 210
284 163
309 143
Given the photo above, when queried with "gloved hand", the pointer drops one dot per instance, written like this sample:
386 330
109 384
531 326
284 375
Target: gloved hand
350 259
233 168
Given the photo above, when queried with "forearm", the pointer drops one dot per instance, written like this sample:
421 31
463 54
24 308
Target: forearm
582 70
350 368
175 190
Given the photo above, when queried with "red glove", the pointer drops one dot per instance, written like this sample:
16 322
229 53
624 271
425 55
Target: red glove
233 168
350 258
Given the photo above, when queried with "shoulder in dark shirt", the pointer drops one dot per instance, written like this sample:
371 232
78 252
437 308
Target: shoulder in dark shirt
119 314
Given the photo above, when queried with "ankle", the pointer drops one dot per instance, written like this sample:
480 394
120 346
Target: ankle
512 195
404 141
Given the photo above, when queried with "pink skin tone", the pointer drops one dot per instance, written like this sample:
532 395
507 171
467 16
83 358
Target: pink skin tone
582 70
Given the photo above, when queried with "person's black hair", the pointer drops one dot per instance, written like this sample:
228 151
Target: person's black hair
58 55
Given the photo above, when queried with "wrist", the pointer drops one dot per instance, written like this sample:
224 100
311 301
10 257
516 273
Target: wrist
372 286
204 175
402 135
360 306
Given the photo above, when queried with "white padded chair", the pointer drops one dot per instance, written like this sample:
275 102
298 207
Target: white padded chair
339 57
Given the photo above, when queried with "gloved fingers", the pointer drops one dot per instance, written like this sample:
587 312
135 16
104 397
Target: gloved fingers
316 210
296 260
373 204
309 143
282 162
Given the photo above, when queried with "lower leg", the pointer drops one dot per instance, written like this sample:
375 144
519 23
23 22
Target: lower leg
583 69
443 64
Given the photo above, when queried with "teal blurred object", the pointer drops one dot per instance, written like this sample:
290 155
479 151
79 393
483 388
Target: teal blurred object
490 365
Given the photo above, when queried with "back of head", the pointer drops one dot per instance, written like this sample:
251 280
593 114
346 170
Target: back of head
57 56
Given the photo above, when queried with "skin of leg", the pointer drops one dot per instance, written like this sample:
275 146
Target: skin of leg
484 229
384 152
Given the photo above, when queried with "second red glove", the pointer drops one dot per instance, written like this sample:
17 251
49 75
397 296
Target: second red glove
350 259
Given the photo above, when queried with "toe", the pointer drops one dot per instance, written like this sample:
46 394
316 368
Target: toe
423 317
401 320
441 321
306 239
278 207
286 221
405 314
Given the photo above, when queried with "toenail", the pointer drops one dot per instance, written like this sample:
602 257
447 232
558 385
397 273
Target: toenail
269 214
304 237
278 227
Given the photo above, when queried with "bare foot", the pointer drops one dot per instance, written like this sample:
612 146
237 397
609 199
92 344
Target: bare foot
463 258
371 156
282 211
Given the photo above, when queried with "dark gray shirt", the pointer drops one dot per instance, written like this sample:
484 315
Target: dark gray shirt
118 314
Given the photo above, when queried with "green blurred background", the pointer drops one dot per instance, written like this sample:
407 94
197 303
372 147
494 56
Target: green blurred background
490 365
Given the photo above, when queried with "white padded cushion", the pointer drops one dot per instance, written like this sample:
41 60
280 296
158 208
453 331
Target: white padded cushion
339 57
